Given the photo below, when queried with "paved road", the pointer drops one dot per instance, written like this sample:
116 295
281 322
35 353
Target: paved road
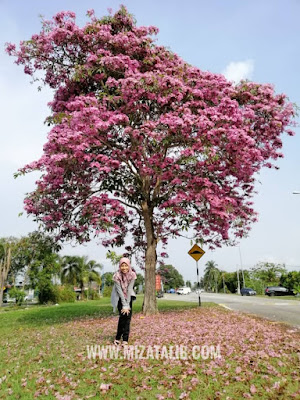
275 308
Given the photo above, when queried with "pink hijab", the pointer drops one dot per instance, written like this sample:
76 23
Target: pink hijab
124 279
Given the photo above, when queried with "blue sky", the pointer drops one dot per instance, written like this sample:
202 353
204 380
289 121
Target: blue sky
258 40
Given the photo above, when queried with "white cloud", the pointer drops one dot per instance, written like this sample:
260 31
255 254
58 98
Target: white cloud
236 71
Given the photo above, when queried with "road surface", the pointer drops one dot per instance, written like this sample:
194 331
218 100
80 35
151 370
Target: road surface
273 308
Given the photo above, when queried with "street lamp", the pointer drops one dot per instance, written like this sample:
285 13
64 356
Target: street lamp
242 267
238 279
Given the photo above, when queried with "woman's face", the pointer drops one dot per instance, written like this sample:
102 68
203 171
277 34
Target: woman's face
124 268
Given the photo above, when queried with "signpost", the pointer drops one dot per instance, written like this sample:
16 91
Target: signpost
196 252
158 282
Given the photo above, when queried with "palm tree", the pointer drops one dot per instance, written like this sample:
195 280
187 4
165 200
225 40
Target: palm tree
78 270
92 272
73 271
211 275
70 269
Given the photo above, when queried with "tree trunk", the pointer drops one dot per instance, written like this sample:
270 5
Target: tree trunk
25 278
1 284
89 290
150 304
82 290
4 268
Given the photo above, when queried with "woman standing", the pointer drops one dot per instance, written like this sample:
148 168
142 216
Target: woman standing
121 297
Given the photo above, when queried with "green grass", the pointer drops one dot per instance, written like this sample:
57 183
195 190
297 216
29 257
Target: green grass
43 354
38 316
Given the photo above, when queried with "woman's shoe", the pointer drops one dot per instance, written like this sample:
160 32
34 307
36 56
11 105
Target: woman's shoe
124 344
117 342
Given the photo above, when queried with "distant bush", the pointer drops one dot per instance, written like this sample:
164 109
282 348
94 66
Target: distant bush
47 292
107 291
17 294
92 294
257 285
291 280
66 294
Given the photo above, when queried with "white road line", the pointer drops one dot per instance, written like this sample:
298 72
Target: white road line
284 304
223 305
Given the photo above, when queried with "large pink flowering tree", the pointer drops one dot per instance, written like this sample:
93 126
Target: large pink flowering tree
142 143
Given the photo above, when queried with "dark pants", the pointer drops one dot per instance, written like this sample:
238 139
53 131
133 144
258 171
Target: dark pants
124 322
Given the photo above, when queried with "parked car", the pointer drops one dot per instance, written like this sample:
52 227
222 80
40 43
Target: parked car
184 290
278 291
171 291
248 292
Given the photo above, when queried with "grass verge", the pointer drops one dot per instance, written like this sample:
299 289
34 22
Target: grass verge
44 354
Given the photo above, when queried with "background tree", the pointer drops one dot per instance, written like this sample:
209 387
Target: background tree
77 270
107 279
71 268
231 282
35 256
18 257
171 278
140 280
143 143
188 284
5 264
40 252
92 272
211 276
268 273
17 294
291 280
195 284
224 287
114 258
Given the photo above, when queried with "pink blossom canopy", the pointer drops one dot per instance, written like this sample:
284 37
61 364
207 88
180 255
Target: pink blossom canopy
135 126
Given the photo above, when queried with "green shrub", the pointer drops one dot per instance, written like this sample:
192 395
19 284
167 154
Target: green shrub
48 293
18 294
296 289
107 291
256 285
66 294
92 294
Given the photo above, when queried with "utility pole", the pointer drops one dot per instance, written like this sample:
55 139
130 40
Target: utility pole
216 280
242 267
238 279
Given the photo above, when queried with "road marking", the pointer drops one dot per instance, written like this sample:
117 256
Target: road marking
223 305
282 304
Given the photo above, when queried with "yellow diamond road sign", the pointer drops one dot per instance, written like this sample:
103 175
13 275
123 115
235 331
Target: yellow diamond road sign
196 252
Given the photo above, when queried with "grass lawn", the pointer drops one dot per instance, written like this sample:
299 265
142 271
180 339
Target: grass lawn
44 355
